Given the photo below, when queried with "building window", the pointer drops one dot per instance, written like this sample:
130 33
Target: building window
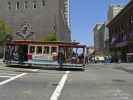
34 4
25 4
131 19
18 5
43 2
9 5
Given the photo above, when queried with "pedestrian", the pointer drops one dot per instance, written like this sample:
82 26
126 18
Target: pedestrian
73 58
61 59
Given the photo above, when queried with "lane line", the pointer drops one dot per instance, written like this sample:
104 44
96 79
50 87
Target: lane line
35 70
60 86
12 78
12 74
5 76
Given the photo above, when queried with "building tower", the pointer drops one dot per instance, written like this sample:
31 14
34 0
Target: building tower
113 11
40 16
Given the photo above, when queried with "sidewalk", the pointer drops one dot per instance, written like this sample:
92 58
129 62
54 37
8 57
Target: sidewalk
128 67
1 61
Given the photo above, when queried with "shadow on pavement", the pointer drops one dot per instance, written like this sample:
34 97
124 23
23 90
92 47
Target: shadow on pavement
125 69
48 68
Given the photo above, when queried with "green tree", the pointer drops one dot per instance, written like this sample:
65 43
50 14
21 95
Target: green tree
51 37
5 31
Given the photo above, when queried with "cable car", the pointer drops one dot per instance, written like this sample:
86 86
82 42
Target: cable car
62 54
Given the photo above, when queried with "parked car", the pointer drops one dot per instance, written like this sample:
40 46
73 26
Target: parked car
99 59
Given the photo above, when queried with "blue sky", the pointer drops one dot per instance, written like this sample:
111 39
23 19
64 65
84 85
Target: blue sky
85 14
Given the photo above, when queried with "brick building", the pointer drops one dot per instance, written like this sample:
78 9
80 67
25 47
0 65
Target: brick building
121 34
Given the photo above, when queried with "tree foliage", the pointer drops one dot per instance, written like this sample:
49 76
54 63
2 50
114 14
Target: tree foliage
51 37
5 31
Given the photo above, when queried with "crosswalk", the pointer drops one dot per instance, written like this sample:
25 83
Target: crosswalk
7 75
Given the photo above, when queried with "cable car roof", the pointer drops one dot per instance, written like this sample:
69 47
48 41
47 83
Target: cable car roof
27 42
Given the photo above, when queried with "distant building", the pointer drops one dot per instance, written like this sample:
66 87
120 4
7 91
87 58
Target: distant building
113 11
106 37
34 19
90 51
96 35
121 34
99 38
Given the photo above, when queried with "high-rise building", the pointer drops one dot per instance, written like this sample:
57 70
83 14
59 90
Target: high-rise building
98 37
34 19
113 11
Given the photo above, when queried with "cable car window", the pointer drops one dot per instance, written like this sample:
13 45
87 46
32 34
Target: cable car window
46 50
39 50
53 49
32 49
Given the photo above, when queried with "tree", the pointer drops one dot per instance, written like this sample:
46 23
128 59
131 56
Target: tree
5 35
5 31
51 37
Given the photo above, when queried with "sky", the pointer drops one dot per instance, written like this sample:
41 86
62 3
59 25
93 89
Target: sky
84 14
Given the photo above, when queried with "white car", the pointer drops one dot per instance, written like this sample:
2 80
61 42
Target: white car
99 59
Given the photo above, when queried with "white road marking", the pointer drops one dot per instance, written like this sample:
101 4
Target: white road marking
12 78
31 70
60 86
35 70
11 74
5 76
121 94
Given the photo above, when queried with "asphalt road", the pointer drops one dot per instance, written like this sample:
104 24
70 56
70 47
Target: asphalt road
97 82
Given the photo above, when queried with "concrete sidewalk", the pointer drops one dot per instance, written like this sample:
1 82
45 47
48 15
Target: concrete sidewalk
128 67
1 61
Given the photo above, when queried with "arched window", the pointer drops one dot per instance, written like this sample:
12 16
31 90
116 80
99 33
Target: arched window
26 4
17 5
34 4
43 2
9 5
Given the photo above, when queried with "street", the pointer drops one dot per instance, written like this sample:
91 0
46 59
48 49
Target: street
97 82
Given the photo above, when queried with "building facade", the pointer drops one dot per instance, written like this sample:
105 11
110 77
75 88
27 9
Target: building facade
37 18
121 34
98 38
113 11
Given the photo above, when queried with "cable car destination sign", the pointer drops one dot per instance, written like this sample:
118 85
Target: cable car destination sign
25 31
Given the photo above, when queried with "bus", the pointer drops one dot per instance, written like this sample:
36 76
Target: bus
30 53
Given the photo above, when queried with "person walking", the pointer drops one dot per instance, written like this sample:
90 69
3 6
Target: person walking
61 59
